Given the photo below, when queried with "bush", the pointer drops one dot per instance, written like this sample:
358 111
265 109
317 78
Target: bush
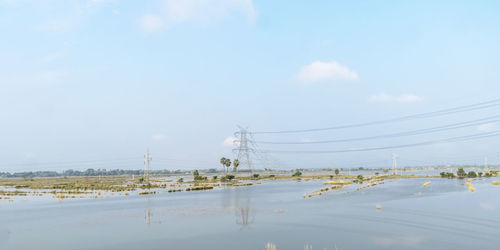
360 177
229 177
255 176
180 180
215 177
200 178
447 175
272 176
471 174
297 173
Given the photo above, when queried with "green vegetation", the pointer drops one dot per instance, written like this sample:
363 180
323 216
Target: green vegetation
195 173
236 163
471 174
200 178
180 180
255 176
461 173
201 187
447 175
337 171
297 173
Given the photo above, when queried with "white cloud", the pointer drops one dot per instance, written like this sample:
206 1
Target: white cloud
159 137
231 141
325 71
151 23
486 127
207 10
404 98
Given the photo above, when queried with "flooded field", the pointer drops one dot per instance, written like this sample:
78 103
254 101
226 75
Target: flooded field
400 214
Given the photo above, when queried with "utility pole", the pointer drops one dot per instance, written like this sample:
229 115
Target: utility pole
147 167
394 164
243 149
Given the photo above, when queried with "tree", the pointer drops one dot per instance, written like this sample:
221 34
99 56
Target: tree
461 173
223 163
236 163
196 173
227 163
337 171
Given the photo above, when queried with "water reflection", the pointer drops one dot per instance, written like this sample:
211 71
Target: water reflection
147 211
240 200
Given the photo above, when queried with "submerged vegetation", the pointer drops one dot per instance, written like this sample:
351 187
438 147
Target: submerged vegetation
102 186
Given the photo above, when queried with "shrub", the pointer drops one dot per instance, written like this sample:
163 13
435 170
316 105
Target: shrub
471 174
215 177
180 180
297 173
256 176
229 177
200 178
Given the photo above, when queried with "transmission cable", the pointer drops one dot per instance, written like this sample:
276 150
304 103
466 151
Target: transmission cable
448 111
452 139
399 134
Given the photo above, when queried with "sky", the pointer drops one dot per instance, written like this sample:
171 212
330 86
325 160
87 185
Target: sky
94 83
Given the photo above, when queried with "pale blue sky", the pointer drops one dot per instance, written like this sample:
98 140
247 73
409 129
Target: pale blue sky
103 80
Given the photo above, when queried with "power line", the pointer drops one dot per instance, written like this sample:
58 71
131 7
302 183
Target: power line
453 139
459 109
399 134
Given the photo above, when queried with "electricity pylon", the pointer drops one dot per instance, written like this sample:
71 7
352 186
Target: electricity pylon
394 164
147 166
242 148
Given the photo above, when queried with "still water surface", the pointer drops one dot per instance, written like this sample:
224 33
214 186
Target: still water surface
444 215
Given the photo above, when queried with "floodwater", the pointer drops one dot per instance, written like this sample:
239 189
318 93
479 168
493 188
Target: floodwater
444 215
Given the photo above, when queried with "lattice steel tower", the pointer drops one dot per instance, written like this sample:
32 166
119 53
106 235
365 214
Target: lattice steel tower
242 148
147 166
